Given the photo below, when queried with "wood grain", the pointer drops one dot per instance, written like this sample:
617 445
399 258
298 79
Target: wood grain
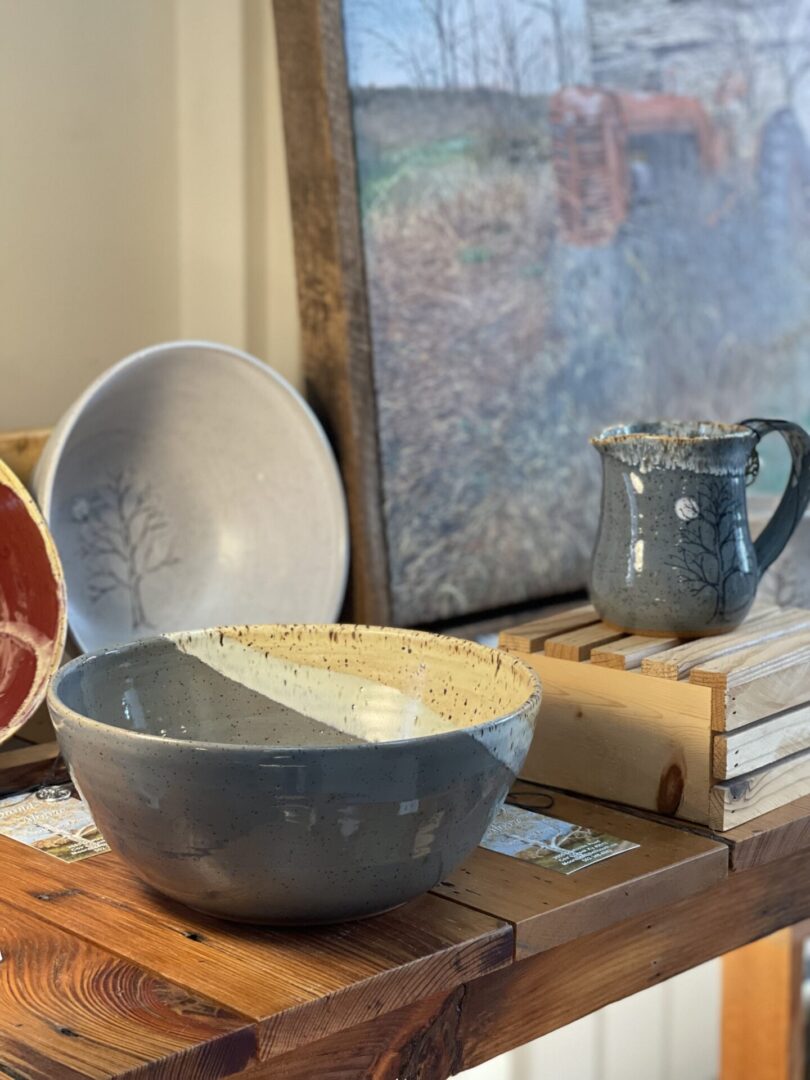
295 982
549 908
766 625
577 645
746 797
762 1022
618 736
331 279
558 986
761 743
507 1008
21 449
757 681
532 636
773 836
627 653
69 1009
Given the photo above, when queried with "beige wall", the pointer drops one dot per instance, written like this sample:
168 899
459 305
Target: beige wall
142 190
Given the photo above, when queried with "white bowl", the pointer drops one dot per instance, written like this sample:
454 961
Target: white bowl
190 485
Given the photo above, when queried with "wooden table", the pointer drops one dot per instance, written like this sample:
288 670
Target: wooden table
100 977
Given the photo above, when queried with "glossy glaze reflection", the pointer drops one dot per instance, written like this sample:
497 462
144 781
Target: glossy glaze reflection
295 774
673 553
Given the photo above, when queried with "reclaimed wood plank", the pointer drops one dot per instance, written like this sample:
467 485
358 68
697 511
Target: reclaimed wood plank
506 1008
746 797
69 1009
577 645
549 908
620 737
759 681
761 743
627 653
556 987
532 636
773 836
20 450
767 624
294 983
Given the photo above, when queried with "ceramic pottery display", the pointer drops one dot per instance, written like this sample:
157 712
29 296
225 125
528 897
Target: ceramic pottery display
673 553
32 605
295 774
190 485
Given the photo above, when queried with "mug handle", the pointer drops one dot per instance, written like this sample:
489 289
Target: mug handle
771 541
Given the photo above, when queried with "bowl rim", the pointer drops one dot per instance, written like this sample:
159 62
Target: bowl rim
528 707
44 476
41 684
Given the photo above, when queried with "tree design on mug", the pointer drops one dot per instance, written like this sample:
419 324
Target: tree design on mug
710 554
124 539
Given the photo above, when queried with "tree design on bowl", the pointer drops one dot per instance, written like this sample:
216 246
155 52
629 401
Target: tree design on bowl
125 539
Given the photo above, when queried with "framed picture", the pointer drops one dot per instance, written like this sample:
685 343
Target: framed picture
516 222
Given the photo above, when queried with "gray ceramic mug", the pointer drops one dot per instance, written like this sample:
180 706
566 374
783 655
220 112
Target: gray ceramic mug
673 553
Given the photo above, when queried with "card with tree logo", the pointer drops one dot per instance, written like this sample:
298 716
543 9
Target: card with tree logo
54 820
548 842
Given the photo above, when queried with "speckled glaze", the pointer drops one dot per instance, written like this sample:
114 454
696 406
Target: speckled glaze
32 605
294 774
673 553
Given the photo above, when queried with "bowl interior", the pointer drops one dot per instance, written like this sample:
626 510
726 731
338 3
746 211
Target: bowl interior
195 487
294 686
32 605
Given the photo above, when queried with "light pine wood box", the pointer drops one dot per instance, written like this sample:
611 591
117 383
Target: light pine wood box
714 731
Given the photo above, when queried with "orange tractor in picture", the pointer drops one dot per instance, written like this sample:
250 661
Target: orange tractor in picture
592 131
608 146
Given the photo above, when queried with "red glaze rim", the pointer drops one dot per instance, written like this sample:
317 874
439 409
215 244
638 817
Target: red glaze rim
33 620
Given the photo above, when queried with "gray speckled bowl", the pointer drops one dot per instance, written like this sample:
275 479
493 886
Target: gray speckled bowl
294 774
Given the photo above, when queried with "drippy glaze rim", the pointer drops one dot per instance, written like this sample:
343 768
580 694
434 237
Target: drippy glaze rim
693 432
41 685
528 707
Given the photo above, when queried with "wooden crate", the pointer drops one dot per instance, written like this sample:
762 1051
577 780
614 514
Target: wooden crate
714 731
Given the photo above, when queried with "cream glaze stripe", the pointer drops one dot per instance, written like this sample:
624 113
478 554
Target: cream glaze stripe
356 706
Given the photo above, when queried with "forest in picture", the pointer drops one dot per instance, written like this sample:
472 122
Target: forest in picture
574 213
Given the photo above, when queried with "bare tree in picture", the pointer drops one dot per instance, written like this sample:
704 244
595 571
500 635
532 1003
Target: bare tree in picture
124 538
708 547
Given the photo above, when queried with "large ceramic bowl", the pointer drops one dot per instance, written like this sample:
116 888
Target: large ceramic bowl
190 485
32 605
294 774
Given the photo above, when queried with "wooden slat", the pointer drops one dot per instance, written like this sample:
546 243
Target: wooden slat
21 449
762 743
766 625
577 645
619 737
746 797
549 908
757 682
532 636
69 1010
295 983
779 834
762 1019
26 767
627 653
447 1033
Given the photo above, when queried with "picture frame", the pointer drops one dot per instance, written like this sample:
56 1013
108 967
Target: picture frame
669 280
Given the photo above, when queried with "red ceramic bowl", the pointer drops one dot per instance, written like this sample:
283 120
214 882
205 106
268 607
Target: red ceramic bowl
32 605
